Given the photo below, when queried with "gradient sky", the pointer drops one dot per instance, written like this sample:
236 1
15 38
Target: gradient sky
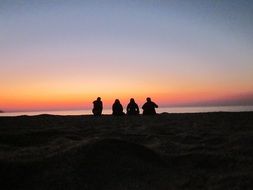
59 54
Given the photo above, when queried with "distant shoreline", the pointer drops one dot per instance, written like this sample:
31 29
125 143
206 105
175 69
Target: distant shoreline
125 116
159 110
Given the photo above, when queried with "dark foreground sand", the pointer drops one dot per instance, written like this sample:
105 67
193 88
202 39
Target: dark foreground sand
167 151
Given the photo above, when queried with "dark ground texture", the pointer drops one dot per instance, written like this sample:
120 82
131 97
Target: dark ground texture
166 151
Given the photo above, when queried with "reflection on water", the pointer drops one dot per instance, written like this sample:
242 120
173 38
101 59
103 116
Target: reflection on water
159 110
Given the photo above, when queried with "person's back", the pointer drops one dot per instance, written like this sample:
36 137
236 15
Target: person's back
117 108
132 108
97 107
149 107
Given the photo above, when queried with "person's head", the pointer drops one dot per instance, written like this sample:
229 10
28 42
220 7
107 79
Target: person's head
98 99
132 100
117 101
148 99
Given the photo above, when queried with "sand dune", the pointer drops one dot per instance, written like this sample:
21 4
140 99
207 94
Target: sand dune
167 151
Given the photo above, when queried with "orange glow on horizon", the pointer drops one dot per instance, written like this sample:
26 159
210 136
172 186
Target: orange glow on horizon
57 101
63 55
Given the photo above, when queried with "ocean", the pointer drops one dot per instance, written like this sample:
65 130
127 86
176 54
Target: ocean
159 110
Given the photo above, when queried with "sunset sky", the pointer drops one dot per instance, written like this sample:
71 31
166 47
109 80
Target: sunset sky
59 54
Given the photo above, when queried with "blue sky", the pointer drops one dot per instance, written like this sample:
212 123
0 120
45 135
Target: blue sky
174 49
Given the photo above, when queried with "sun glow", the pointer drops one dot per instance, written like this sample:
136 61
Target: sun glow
65 57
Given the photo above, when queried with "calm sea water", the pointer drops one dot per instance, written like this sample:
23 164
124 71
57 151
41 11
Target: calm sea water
159 110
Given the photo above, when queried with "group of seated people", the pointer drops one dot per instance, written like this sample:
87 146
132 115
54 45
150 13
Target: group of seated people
132 107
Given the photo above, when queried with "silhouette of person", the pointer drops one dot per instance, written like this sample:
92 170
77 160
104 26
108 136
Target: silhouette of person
149 107
117 108
97 107
132 108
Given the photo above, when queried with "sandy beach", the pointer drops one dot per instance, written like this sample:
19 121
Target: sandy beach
166 151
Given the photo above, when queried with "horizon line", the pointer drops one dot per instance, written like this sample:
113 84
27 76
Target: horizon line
109 108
